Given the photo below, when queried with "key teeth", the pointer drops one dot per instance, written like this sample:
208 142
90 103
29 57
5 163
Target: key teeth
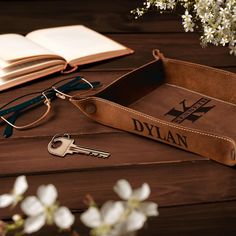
92 154
104 156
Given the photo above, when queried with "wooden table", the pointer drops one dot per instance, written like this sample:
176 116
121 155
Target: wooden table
196 196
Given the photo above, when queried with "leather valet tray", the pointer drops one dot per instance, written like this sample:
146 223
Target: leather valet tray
186 105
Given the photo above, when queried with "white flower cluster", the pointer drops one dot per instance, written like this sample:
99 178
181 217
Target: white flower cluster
39 210
216 18
113 219
121 217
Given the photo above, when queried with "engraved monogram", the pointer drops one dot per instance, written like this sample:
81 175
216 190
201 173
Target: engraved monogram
191 113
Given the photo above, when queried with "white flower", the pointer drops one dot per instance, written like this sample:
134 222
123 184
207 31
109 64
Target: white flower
217 18
206 17
187 22
233 50
187 17
220 29
63 218
147 4
19 188
171 4
188 26
161 5
136 197
44 210
125 192
120 218
224 41
223 11
209 33
103 221
137 209
134 221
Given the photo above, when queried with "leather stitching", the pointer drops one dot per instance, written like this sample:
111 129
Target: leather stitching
200 66
165 123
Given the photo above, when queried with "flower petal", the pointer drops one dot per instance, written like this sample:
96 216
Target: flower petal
142 193
63 218
6 200
20 185
47 194
149 208
34 223
111 212
91 217
135 221
123 189
31 206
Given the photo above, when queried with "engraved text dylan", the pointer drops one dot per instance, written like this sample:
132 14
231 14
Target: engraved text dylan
159 134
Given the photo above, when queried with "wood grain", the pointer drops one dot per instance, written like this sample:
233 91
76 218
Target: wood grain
172 184
212 219
196 196
104 16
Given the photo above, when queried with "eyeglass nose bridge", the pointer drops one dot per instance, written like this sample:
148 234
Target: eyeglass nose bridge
62 95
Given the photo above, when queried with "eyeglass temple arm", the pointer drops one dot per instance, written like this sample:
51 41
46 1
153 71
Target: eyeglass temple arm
33 101
16 109
12 119
9 129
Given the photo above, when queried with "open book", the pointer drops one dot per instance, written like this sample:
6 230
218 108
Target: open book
46 51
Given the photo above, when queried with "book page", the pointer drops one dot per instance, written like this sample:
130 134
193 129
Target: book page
17 70
3 63
15 47
73 42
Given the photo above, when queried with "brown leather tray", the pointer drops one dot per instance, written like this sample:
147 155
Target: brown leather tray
186 105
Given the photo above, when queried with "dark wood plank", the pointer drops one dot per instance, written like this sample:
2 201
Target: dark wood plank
172 184
122 146
178 46
231 69
103 16
214 219
196 196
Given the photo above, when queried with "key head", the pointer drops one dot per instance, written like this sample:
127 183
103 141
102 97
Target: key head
62 147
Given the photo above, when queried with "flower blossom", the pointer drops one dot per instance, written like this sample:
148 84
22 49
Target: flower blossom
209 33
121 217
135 198
187 22
43 209
103 221
134 202
16 195
215 18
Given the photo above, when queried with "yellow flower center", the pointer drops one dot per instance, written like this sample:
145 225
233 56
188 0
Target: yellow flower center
101 230
49 211
133 203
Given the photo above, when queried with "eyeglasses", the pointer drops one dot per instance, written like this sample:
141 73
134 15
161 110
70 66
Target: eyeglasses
29 110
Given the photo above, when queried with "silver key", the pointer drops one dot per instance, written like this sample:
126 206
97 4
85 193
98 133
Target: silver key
67 146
